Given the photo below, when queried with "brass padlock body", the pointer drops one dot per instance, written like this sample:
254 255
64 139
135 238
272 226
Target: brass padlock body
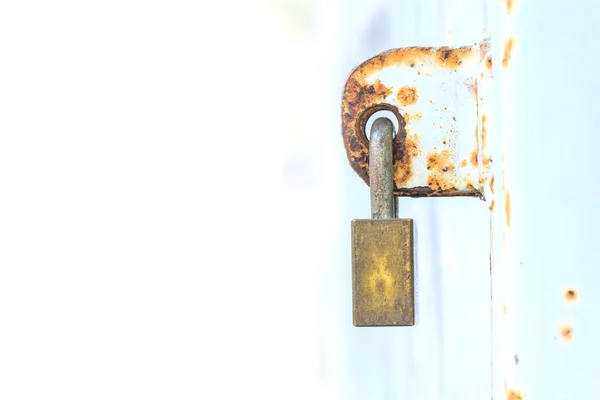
383 273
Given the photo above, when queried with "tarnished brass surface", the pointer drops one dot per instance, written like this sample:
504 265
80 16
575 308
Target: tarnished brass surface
383 272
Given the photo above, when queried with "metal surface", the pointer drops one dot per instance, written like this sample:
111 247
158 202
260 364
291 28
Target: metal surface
545 236
381 181
382 248
383 272
434 95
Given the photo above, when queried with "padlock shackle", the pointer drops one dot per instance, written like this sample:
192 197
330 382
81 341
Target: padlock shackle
381 180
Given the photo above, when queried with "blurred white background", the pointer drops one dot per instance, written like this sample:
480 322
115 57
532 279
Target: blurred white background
175 200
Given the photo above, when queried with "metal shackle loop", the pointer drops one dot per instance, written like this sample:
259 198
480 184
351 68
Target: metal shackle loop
381 160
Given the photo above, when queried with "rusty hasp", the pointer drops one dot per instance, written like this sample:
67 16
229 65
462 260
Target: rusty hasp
437 98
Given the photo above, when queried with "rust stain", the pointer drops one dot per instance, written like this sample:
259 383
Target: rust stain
440 162
474 158
378 91
412 117
408 95
509 6
516 358
476 139
508 48
439 165
486 163
474 89
452 58
410 56
492 181
488 63
463 163
403 156
566 332
571 295
483 130
507 206
492 204
513 394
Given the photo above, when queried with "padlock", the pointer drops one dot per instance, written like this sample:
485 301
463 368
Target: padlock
382 247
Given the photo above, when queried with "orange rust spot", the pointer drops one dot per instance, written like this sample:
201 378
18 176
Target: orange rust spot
507 208
492 204
566 332
474 90
476 141
492 186
403 159
513 394
430 101
440 162
438 165
358 96
463 163
441 127
488 63
482 75
508 48
482 180
571 295
474 158
452 58
410 56
408 95
483 130
408 118
509 6
486 161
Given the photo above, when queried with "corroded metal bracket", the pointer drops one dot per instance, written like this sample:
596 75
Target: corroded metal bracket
437 96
